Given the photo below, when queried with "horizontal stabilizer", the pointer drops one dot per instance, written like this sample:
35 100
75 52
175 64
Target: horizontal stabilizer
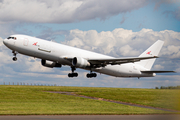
157 71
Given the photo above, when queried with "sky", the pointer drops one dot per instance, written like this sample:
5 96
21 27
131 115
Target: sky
116 28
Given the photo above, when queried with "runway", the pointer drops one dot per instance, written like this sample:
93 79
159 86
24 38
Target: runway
92 117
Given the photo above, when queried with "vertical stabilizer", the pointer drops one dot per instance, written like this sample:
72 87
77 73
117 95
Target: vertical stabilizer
153 50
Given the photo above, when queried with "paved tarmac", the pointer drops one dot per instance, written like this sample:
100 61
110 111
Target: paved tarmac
92 117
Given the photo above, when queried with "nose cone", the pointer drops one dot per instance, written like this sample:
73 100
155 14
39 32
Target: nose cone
5 41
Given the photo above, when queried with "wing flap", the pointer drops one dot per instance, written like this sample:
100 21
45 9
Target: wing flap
115 61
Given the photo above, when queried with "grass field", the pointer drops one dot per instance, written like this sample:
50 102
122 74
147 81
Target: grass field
30 100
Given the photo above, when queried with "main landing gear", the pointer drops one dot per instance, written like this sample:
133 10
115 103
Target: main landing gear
14 54
90 75
73 74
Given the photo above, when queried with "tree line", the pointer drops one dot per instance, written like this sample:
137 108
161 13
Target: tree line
28 84
169 87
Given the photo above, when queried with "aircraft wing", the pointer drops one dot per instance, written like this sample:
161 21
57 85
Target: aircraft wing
111 61
115 61
156 71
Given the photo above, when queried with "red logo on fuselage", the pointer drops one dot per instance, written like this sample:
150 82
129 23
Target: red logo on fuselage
35 43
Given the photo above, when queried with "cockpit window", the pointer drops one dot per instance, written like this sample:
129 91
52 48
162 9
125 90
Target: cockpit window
12 38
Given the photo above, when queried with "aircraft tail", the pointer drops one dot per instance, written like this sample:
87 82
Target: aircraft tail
153 50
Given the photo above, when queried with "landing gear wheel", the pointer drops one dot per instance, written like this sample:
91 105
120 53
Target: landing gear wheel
14 58
95 75
90 75
72 74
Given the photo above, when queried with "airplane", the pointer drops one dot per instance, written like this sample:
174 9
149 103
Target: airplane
54 54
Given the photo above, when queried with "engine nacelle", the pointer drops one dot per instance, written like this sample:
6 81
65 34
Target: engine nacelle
50 64
80 62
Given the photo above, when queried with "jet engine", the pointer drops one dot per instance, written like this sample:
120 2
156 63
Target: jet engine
80 62
50 64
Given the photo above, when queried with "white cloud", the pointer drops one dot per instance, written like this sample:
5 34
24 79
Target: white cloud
67 11
4 55
7 29
158 67
43 75
1 41
35 66
121 42
127 50
64 11
174 51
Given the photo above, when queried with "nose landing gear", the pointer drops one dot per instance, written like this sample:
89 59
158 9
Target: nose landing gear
14 54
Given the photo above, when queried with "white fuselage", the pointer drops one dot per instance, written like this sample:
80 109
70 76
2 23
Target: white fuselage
56 52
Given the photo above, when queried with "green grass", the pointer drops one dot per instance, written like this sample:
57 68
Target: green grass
162 98
165 98
30 100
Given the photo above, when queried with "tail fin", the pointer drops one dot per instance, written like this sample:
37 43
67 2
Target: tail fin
153 50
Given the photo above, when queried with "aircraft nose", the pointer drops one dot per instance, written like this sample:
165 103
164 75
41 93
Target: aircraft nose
5 41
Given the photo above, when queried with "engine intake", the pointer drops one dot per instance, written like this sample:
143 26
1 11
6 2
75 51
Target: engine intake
50 64
80 62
